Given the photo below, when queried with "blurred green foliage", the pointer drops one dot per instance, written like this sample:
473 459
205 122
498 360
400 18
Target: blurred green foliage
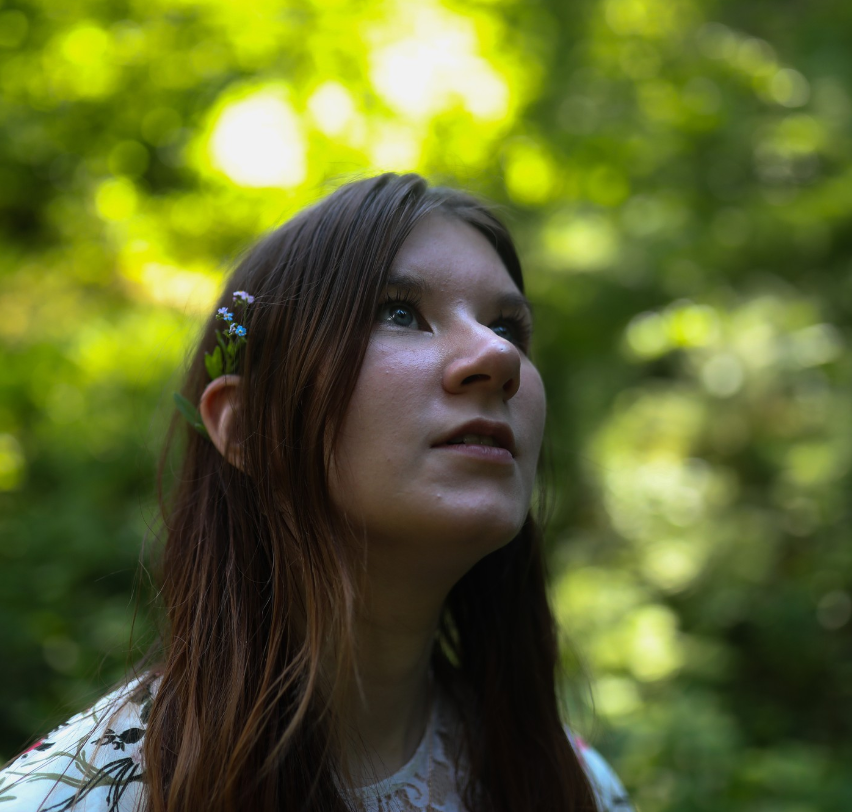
678 174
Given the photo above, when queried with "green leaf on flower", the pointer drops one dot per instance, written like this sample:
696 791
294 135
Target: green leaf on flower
190 413
213 362
231 355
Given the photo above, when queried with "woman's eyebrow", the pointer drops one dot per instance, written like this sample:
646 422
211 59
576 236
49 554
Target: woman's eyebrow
416 284
515 301
408 281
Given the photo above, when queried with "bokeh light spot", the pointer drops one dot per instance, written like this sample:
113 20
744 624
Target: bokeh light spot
86 45
627 16
437 66
654 651
331 107
257 141
83 64
717 41
789 88
834 609
673 564
646 335
116 199
814 463
193 291
617 696
722 375
755 57
530 175
816 345
394 147
583 242
691 325
607 186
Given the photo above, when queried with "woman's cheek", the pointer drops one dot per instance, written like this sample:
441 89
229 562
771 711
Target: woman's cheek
534 405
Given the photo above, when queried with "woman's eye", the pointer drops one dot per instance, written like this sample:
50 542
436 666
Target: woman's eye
400 315
504 331
515 331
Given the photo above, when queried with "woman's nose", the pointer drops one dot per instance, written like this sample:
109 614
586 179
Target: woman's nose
481 360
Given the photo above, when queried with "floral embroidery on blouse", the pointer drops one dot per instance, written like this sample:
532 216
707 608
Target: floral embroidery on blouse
93 763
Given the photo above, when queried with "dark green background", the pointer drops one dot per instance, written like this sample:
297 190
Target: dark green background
677 173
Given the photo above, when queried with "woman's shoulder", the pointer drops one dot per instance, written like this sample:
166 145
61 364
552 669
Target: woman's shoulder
91 763
612 797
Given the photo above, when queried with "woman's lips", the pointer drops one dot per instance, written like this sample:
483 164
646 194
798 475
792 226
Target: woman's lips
493 433
486 453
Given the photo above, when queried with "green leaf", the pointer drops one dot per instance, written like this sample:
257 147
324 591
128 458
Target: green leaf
231 359
213 362
190 413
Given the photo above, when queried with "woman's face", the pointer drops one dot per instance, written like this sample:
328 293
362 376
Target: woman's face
438 448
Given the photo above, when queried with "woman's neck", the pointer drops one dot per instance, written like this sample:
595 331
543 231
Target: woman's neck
387 711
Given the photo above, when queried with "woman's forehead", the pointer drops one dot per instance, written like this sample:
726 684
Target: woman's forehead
445 252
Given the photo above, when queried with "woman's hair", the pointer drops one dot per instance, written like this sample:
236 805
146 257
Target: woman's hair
261 576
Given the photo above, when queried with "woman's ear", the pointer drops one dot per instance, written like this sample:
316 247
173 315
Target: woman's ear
218 410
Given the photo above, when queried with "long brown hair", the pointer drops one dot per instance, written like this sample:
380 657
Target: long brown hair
261 576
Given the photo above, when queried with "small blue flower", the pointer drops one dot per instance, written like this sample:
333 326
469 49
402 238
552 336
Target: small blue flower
222 310
228 317
240 331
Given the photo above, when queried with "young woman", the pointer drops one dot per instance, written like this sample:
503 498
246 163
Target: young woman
352 578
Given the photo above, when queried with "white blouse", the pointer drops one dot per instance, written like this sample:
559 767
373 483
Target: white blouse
93 763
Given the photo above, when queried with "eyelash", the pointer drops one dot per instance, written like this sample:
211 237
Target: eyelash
516 321
403 296
520 326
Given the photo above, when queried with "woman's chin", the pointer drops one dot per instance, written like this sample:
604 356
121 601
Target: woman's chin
473 532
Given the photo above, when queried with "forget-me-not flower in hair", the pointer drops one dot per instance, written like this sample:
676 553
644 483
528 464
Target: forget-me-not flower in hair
223 359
